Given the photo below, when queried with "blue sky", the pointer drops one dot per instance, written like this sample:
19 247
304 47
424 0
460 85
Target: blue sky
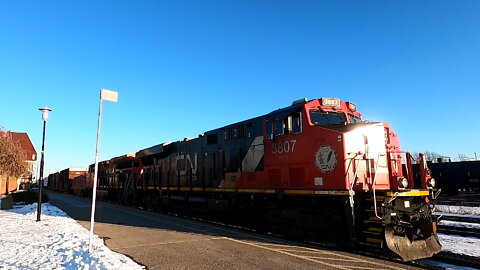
185 67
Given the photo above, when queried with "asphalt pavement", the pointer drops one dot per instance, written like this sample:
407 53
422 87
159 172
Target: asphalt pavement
160 241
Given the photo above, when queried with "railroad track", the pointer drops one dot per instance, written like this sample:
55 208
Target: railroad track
468 229
461 231
458 203
457 259
470 201
460 218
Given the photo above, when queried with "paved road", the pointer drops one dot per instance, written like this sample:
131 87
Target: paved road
167 242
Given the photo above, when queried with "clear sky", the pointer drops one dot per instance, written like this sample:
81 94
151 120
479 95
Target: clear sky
184 67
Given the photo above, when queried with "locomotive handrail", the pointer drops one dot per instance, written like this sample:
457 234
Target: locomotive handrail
374 183
348 168
350 191
395 195
408 165
355 177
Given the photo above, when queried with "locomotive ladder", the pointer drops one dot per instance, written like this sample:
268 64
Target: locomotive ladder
372 230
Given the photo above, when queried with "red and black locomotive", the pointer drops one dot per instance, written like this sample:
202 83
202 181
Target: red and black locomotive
313 169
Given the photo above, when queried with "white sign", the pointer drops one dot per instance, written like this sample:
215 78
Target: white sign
108 95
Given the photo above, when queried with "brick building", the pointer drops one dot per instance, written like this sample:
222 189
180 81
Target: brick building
9 183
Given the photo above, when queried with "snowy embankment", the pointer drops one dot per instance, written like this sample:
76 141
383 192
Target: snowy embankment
453 243
56 242
457 244
454 209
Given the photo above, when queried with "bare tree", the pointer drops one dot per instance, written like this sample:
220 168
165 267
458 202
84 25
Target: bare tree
12 158
415 157
432 156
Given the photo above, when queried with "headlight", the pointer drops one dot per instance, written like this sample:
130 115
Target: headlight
431 182
352 106
403 183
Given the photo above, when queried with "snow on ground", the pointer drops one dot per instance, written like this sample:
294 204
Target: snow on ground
464 210
454 243
56 242
460 224
460 245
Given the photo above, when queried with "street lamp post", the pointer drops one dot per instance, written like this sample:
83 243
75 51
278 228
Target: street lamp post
45 112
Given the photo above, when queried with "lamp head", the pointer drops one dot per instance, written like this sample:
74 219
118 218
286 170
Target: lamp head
45 112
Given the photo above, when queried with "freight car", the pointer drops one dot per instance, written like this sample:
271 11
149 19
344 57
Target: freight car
70 180
313 169
455 177
54 181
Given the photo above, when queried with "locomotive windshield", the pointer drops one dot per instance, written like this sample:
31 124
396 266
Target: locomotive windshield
327 118
353 119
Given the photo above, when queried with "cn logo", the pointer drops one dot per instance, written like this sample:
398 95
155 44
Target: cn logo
326 159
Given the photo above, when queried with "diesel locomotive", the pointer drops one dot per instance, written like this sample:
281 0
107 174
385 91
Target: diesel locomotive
314 169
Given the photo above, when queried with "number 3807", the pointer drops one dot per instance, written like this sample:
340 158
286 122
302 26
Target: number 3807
283 147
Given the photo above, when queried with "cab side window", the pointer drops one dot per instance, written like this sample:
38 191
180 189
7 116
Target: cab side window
291 124
297 122
279 127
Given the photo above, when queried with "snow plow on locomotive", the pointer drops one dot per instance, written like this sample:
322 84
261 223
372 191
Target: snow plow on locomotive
313 169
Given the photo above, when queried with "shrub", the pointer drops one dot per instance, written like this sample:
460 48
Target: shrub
29 197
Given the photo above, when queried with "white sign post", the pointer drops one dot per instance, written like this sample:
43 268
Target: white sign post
109 96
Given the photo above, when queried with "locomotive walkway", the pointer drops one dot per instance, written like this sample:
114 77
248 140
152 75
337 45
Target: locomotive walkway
160 241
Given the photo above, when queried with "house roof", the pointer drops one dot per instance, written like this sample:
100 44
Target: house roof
26 144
